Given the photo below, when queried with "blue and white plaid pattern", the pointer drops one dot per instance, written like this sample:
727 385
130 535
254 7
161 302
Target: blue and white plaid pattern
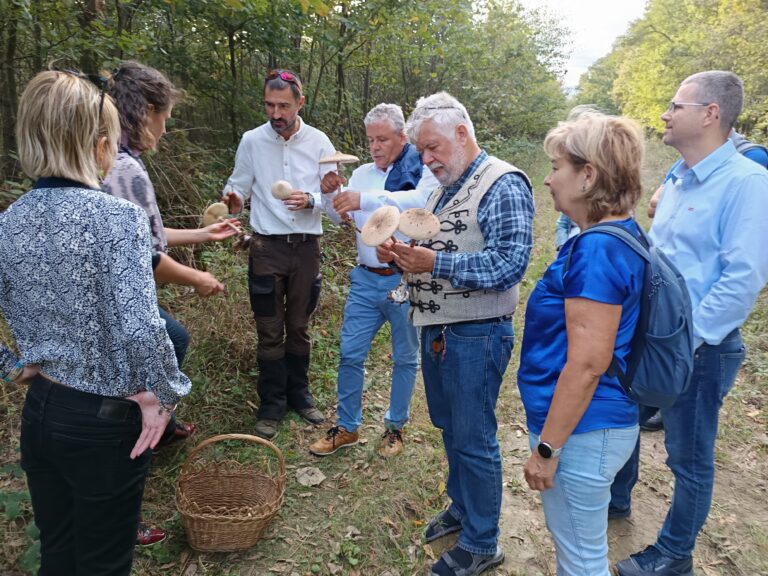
505 217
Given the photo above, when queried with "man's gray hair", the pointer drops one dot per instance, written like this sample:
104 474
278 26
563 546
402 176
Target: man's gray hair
724 89
391 113
444 110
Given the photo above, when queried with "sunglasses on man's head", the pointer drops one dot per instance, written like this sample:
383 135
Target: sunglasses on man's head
285 76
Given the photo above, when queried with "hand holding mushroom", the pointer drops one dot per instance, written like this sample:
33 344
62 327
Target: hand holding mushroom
293 199
218 226
331 182
346 202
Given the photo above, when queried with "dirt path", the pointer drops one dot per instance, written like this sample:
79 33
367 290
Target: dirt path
733 542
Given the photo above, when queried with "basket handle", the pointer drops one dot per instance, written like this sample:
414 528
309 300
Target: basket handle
245 438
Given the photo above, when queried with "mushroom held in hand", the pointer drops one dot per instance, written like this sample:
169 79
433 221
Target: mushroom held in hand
282 189
418 224
380 226
214 213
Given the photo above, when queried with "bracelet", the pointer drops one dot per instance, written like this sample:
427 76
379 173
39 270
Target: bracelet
14 373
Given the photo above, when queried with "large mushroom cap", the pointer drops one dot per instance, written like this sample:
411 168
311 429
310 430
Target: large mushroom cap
282 189
419 224
339 158
380 226
214 212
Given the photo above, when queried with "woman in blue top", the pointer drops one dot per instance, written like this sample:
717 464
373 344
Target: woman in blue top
583 427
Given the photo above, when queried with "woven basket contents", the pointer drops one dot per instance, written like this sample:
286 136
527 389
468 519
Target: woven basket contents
226 505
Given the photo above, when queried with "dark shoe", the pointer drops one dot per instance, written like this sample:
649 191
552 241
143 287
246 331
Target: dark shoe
391 443
616 513
651 562
311 415
459 562
441 525
147 536
266 428
653 424
182 431
337 437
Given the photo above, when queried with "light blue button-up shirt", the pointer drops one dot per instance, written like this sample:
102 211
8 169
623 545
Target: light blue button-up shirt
712 223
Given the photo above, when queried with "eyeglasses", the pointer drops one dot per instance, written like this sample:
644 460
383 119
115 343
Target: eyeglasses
285 76
673 106
97 80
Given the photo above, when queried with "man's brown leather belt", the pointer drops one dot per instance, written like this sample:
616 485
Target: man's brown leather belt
380 271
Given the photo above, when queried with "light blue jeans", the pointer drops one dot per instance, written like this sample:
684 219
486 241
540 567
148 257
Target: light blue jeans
576 507
366 310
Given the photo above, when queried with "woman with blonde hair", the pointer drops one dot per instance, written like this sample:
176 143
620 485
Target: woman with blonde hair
580 316
77 292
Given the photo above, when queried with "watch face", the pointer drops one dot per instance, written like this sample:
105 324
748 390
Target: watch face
544 449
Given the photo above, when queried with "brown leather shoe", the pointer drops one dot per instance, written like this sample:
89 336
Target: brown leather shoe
337 437
391 443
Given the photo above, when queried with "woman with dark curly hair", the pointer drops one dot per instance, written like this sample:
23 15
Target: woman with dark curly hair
145 98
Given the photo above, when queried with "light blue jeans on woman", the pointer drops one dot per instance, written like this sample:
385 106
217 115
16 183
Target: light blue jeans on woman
576 507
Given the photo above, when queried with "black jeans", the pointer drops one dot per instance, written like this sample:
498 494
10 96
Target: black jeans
86 491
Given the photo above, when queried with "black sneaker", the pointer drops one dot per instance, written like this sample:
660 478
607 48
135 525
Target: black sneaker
653 424
651 562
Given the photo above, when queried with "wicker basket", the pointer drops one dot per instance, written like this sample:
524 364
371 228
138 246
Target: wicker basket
226 505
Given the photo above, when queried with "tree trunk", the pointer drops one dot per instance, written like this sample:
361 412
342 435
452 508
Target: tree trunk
8 96
233 94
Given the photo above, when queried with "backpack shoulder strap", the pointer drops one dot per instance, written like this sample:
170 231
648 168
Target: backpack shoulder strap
642 248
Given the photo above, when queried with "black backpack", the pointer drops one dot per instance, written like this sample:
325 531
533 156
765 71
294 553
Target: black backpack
660 362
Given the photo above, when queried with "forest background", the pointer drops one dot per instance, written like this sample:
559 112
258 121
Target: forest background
506 64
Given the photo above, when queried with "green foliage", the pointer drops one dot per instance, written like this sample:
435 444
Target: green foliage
676 38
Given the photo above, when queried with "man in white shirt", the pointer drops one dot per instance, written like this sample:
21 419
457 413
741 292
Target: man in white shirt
396 177
284 263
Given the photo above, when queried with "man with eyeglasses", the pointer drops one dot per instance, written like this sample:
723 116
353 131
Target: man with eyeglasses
464 291
284 261
708 222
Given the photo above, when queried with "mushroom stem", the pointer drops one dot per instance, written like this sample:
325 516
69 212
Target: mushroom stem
235 228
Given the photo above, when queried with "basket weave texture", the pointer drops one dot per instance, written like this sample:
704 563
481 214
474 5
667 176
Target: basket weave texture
225 505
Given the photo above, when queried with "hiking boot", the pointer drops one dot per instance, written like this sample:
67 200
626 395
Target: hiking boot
391 443
653 424
618 513
651 562
441 525
266 428
147 536
337 437
311 415
459 562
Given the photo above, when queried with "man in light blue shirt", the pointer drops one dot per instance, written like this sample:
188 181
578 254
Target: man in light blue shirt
710 222
396 177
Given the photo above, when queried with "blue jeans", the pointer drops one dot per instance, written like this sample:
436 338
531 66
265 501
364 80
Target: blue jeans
690 428
366 310
462 385
576 507
86 491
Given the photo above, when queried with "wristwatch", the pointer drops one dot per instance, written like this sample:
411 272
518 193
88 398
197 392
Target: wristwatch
310 200
546 451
